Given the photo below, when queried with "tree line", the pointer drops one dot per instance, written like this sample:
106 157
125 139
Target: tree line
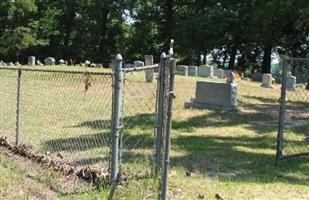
239 34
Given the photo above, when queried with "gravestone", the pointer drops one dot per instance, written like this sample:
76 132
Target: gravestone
182 70
138 63
267 81
93 65
209 94
230 78
11 64
192 70
4 64
50 61
149 73
17 64
87 63
206 71
62 62
291 83
31 61
218 72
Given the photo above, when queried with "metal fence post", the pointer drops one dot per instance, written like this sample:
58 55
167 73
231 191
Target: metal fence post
116 116
160 114
19 76
280 135
171 96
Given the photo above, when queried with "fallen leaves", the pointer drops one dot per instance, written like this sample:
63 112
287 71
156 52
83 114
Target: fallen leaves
91 174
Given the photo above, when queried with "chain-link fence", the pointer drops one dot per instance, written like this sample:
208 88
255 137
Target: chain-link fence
138 121
142 138
62 114
112 120
293 132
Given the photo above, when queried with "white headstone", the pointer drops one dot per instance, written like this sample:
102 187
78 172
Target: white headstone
87 63
192 70
149 73
182 70
267 81
291 83
206 71
31 61
62 62
138 63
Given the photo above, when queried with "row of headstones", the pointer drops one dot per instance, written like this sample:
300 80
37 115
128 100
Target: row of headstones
211 71
52 61
202 71
49 61
32 62
9 64
267 82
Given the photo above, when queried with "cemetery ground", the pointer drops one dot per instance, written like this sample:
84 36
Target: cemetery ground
214 152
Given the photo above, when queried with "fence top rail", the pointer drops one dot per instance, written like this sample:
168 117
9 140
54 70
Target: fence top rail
140 68
306 60
56 71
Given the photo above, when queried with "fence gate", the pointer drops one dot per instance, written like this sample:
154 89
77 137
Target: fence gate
293 130
141 120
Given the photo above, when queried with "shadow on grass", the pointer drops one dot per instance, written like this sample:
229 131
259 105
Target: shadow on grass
251 158
100 140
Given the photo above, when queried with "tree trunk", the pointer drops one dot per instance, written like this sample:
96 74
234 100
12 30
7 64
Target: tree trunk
68 29
266 67
205 59
233 57
103 39
169 23
198 59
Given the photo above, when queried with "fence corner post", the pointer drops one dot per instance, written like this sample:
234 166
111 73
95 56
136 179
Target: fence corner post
171 95
160 115
116 116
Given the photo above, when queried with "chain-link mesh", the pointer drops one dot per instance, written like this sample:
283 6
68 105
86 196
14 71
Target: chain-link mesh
8 96
67 115
259 105
63 114
296 133
139 120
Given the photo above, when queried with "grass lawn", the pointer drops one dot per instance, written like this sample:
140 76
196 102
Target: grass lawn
231 153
